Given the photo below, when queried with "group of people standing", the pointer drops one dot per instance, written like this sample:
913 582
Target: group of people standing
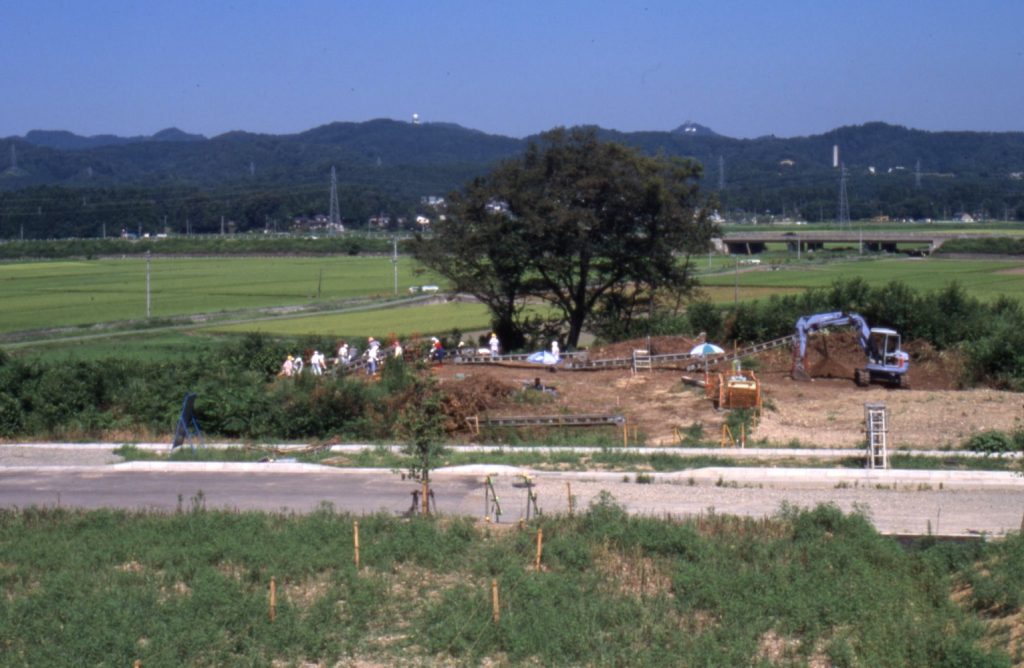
374 356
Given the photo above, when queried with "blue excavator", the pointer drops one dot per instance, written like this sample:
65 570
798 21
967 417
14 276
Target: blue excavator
886 362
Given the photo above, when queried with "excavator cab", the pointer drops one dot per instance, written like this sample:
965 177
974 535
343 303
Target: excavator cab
886 360
884 346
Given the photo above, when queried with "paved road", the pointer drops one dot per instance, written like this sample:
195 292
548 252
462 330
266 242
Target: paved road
300 488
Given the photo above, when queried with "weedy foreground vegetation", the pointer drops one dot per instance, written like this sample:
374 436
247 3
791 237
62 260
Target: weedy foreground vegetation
808 587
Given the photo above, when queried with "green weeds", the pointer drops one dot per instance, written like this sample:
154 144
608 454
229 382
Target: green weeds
191 588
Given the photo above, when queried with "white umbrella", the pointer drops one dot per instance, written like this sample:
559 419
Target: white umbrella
706 349
703 350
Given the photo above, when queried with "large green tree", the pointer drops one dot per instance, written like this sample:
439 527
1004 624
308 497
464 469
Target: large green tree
584 225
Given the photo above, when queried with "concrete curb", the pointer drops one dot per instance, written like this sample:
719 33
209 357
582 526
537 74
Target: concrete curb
734 453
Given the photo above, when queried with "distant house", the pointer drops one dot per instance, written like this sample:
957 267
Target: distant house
380 221
963 218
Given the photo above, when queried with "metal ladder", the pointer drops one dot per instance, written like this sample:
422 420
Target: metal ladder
876 415
641 361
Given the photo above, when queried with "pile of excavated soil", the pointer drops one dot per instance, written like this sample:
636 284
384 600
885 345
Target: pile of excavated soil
472 396
655 345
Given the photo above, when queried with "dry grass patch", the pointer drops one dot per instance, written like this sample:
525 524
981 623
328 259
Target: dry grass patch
632 575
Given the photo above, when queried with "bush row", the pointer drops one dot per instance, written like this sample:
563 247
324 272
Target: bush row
239 396
985 246
346 244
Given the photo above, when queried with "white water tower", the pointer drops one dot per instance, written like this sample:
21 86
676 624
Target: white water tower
415 119
835 155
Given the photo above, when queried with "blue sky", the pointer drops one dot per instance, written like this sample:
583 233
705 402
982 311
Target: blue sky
744 68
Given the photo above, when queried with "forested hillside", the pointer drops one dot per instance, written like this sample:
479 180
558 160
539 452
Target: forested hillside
55 183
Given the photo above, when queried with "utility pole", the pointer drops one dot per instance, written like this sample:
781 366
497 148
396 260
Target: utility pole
917 175
721 173
335 212
394 260
222 225
736 282
148 299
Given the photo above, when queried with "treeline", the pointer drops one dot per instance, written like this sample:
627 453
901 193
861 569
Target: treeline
50 212
988 246
239 396
349 243
990 334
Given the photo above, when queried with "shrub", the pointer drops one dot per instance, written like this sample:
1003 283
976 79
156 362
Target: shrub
12 418
991 442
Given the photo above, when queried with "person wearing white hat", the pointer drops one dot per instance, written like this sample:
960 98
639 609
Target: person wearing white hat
494 344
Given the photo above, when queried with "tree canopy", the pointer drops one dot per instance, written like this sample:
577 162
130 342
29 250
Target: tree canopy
592 228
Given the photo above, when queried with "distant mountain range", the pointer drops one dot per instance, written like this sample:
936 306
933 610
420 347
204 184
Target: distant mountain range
387 164
172 155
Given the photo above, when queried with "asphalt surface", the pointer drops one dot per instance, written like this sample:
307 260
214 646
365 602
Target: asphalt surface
897 502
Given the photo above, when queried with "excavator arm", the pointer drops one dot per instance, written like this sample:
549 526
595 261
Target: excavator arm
809 324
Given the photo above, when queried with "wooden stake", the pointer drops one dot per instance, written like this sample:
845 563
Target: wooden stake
355 529
625 434
273 599
496 610
426 501
540 548
568 492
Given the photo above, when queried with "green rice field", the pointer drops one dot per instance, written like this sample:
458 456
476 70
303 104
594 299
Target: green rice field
985 279
399 321
36 295
64 294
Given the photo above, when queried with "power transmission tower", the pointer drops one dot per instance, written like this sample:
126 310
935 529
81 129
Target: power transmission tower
335 213
721 173
917 175
844 203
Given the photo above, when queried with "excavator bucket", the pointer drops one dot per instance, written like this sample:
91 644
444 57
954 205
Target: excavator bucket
799 373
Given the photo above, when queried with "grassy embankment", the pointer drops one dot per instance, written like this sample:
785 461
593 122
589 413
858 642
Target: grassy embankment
192 588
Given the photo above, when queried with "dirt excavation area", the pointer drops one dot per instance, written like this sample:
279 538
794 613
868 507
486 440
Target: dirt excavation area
827 411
